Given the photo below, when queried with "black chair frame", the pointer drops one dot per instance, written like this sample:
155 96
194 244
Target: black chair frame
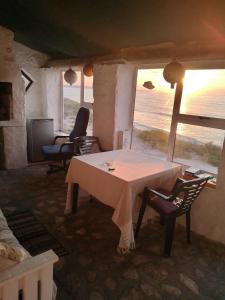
62 153
177 203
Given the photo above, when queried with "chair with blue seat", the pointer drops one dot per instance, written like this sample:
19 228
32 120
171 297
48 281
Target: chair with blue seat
64 151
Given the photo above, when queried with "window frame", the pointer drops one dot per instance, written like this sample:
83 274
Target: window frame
196 120
82 102
177 117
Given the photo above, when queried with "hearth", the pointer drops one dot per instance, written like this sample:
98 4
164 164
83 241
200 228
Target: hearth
5 101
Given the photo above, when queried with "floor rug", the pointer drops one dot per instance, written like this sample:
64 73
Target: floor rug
32 235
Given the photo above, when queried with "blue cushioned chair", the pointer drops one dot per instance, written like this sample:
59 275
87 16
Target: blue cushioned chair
63 152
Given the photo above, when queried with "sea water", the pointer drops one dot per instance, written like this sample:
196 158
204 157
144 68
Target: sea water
153 109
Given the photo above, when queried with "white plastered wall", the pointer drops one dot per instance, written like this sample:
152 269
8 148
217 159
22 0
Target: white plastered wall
31 62
208 212
44 98
114 93
52 95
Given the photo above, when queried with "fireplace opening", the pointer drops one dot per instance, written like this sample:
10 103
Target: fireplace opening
5 101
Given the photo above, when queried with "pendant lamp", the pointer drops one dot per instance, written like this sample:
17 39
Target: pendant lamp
70 76
173 73
88 70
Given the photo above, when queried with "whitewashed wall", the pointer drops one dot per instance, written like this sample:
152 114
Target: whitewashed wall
52 95
114 95
31 62
104 88
43 99
208 213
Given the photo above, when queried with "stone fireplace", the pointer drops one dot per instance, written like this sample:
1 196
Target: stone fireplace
13 153
5 101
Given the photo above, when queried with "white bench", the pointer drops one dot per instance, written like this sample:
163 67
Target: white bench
31 278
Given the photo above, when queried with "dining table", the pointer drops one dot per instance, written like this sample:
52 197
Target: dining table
116 178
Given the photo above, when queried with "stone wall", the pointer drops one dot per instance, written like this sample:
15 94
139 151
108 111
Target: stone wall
42 100
14 130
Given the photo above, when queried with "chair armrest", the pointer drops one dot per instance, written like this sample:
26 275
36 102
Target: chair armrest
160 195
181 180
60 137
65 144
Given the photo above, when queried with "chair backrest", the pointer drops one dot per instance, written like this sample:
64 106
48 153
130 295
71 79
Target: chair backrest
87 145
81 123
186 192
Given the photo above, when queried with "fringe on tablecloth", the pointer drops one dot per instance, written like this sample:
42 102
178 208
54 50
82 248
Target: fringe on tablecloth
127 242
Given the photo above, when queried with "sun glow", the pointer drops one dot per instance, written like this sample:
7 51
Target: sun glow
197 80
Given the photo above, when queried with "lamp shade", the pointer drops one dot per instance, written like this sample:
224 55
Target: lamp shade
70 76
173 72
88 70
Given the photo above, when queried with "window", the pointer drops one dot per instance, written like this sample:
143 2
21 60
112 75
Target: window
203 93
71 102
194 134
197 131
88 89
199 147
152 114
88 101
75 96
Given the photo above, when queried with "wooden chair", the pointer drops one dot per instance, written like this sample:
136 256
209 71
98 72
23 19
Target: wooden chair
171 205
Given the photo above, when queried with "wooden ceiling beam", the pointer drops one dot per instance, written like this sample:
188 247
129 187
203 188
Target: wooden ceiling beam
194 51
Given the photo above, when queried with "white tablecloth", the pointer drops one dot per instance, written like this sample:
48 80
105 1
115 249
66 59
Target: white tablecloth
119 188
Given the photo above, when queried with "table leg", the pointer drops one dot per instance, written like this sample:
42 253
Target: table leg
75 197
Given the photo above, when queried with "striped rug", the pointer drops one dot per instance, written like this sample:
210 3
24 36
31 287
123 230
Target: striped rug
32 235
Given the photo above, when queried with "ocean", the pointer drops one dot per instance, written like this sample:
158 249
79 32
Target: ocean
153 109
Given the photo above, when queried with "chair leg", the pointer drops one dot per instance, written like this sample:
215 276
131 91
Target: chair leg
169 233
75 197
53 168
64 164
188 226
141 213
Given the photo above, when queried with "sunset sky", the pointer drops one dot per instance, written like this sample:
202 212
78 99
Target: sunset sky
204 82
195 81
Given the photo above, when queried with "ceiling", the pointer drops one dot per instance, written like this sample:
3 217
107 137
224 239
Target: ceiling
84 28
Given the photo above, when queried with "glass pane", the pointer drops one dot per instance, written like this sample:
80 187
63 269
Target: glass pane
204 93
90 123
152 113
88 89
199 147
71 96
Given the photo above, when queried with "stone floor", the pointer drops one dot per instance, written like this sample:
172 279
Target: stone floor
93 270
